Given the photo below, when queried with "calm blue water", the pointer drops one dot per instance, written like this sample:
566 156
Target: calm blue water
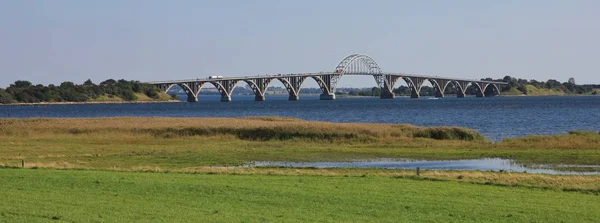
486 164
495 117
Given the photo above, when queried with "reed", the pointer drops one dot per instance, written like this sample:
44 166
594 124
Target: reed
256 128
177 143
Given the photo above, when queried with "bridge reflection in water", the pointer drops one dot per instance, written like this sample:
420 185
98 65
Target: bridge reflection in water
356 64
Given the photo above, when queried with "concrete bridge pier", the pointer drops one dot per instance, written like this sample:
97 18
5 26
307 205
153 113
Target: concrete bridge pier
327 96
259 98
414 94
293 97
387 95
439 94
192 98
492 94
225 98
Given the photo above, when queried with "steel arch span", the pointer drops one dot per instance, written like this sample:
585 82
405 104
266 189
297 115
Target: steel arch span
358 64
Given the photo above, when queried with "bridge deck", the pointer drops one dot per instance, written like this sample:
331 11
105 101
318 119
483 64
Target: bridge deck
317 74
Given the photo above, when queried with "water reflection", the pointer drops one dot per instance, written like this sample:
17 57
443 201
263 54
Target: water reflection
486 164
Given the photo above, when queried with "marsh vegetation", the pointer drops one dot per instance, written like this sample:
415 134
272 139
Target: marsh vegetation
189 172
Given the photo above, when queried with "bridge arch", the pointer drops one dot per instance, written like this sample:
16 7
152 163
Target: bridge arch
322 84
225 88
480 87
319 81
294 84
201 85
358 64
435 85
449 83
496 88
258 87
461 87
191 94
489 89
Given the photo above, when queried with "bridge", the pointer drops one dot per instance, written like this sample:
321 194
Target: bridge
355 64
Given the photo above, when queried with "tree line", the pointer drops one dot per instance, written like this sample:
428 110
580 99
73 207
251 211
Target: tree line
25 92
569 87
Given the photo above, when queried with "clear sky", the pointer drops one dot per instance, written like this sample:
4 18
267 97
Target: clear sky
47 41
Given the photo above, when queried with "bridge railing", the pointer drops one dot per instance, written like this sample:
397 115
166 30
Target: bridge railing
315 74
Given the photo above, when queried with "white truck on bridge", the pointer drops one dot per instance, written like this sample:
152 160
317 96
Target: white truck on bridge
215 77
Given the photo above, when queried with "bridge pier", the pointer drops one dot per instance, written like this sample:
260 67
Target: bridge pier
480 94
439 94
293 98
492 94
414 94
327 96
259 98
192 99
225 98
387 95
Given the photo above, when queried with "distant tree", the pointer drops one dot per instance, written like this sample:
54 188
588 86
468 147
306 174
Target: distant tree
552 83
571 81
522 89
427 91
22 84
523 82
24 91
5 97
67 85
88 82
375 91
402 90
108 82
152 93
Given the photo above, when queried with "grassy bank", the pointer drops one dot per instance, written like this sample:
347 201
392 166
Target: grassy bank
534 91
176 143
162 96
83 196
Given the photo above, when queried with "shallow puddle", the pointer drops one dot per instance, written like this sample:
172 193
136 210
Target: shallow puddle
487 164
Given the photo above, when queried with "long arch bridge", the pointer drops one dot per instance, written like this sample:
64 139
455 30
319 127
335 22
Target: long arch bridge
355 64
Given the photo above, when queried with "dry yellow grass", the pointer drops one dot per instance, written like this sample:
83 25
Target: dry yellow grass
563 142
25 127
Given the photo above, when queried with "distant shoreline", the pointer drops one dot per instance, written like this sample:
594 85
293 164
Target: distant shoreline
177 101
91 102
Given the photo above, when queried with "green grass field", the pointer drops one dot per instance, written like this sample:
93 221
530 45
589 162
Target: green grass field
97 196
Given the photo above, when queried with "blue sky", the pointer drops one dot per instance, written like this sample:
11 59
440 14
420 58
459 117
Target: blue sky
53 41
